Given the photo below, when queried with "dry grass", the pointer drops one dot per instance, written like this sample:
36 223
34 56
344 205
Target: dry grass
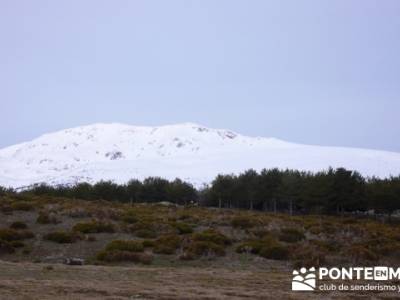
27 281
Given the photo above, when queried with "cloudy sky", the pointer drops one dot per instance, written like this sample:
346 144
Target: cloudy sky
315 72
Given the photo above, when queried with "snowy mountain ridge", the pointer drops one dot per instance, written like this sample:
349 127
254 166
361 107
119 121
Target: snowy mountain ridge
189 151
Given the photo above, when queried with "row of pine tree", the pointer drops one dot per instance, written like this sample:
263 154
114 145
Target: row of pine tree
329 192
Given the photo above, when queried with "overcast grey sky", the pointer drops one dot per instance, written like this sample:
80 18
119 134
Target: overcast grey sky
316 72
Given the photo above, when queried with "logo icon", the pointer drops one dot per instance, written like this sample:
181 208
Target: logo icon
381 273
304 280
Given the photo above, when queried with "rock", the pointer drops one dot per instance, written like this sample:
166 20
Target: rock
74 261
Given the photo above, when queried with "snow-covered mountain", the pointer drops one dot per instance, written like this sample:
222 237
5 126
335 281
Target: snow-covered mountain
189 151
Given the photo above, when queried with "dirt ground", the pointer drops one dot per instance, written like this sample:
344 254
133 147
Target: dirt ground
55 281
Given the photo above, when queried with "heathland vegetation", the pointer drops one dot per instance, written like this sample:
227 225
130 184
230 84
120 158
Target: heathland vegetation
46 228
250 220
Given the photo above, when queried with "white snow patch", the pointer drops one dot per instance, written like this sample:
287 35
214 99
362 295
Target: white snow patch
188 151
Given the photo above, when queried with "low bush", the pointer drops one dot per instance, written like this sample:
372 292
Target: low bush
291 235
328 245
45 218
167 244
91 238
277 252
260 233
252 246
17 244
349 221
359 254
129 219
325 228
6 247
148 243
307 255
18 225
184 216
182 228
212 235
243 222
26 251
94 227
131 246
78 213
22 205
203 248
121 256
61 237
9 234
146 233
6 209
268 247
146 223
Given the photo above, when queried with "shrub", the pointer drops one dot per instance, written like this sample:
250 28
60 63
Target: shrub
291 235
26 251
17 244
167 244
277 252
130 219
184 216
6 209
18 225
94 227
145 233
359 253
307 255
252 246
183 228
6 247
22 205
382 245
148 243
211 235
78 213
329 245
260 233
349 221
243 222
187 256
392 250
91 238
61 237
44 218
117 256
26 234
120 250
325 228
202 248
131 246
392 235
15 235
267 247
144 224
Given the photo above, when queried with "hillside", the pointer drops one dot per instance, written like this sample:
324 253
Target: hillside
189 151
159 251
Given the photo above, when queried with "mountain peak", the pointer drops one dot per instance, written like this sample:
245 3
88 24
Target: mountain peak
192 152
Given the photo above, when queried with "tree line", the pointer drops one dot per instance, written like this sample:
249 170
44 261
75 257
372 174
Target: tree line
150 190
327 192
